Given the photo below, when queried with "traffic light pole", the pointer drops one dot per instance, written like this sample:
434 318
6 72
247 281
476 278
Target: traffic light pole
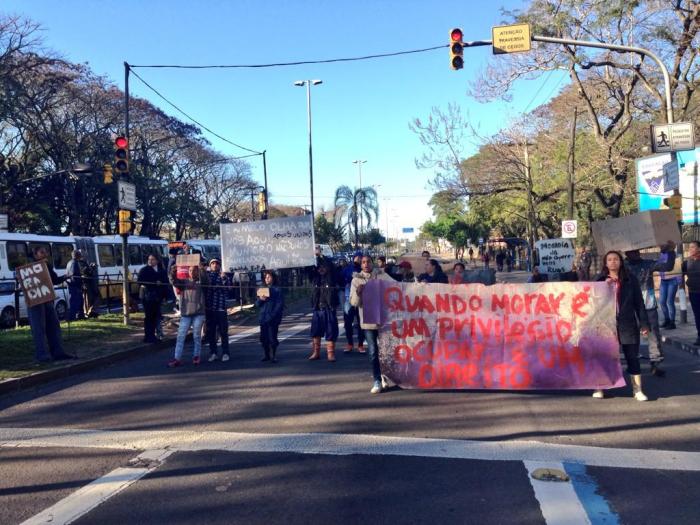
125 236
266 213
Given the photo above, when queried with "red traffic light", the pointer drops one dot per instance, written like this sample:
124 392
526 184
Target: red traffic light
456 35
121 142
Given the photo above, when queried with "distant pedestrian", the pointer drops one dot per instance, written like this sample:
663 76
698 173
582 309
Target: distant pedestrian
691 275
471 256
74 279
91 288
220 284
486 258
153 283
371 331
324 323
631 317
43 319
584 264
271 305
192 311
351 315
500 259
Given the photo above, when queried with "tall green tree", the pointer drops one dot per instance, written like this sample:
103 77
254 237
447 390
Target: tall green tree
351 204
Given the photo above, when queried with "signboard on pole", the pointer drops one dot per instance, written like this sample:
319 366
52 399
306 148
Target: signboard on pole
126 195
4 222
35 281
569 229
636 232
511 39
287 242
556 255
672 137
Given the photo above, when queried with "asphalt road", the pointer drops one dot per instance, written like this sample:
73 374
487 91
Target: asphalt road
305 442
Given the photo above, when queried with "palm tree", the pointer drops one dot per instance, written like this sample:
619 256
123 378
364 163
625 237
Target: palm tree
350 205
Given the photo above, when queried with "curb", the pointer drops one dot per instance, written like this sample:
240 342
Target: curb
677 344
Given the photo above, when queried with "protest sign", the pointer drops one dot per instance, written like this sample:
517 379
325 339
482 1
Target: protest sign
36 284
556 255
506 336
637 231
287 242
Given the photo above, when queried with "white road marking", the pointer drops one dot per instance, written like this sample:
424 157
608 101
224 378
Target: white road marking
254 330
344 444
90 496
294 330
558 500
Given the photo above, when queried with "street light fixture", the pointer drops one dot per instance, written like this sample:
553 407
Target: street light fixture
308 84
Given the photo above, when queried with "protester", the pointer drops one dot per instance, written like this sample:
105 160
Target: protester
381 263
691 276
458 275
425 254
192 311
74 279
153 283
668 287
324 323
631 317
43 319
643 270
537 277
217 292
271 305
584 265
405 274
351 315
433 273
371 331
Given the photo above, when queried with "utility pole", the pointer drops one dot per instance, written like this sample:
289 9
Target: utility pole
572 150
266 213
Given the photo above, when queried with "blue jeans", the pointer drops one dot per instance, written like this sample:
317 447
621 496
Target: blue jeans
669 287
373 352
45 326
196 322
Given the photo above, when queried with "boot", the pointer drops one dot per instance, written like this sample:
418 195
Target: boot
315 349
330 350
274 354
267 353
637 388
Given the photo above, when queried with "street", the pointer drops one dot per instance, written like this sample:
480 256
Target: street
305 442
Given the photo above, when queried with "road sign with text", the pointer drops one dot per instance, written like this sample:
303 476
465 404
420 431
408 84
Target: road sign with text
511 39
672 137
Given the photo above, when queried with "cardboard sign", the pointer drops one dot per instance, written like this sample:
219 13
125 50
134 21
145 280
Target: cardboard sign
635 232
184 262
506 336
556 255
36 284
287 242
263 292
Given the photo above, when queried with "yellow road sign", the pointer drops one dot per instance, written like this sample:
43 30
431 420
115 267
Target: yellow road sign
511 39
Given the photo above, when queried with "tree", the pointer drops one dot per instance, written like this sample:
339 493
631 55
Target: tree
350 205
327 232
372 237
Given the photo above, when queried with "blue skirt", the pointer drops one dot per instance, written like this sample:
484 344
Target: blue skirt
324 323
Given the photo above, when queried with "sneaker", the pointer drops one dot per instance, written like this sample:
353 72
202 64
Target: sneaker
376 388
348 349
639 396
213 357
174 362
598 394
196 360
225 357
361 349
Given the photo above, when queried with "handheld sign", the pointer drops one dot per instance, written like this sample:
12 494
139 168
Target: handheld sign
263 292
556 255
184 263
637 231
36 284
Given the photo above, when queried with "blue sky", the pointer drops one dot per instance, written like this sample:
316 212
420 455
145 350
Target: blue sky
361 111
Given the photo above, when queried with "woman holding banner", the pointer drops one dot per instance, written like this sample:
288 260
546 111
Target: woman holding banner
324 301
371 331
631 317
192 311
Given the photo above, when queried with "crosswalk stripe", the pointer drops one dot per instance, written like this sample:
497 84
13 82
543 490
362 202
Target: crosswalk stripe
557 499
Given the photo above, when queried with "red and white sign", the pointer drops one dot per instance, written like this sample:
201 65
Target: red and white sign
569 229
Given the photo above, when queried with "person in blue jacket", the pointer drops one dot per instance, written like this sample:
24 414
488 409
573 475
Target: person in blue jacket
271 305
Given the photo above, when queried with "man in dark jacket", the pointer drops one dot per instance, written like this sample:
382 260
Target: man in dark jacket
153 283
643 270
44 321
217 317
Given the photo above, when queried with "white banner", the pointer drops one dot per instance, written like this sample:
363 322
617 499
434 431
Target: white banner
287 242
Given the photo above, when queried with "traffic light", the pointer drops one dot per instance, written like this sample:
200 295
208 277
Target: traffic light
121 156
124 222
107 175
261 202
675 202
456 49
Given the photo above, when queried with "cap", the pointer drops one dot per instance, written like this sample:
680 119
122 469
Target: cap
213 260
405 264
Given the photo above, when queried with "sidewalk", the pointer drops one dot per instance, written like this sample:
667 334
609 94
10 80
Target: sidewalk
683 337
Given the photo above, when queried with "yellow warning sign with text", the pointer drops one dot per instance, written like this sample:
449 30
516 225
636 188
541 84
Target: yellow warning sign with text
511 39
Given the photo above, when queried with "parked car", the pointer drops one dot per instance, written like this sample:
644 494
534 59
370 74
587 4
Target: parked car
7 304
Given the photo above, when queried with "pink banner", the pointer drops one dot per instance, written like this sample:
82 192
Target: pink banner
547 336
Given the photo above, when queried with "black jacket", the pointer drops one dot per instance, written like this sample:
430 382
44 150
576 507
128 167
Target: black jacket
631 312
324 293
154 280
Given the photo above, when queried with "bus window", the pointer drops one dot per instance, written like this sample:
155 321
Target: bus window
62 254
135 255
118 254
105 254
16 254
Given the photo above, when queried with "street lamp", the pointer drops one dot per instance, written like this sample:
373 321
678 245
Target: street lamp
359 168
308 84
